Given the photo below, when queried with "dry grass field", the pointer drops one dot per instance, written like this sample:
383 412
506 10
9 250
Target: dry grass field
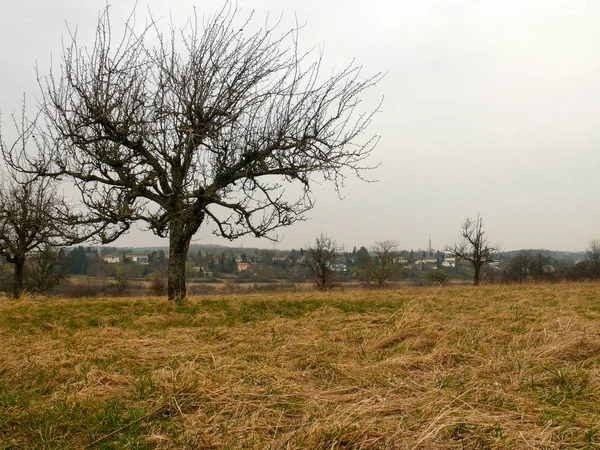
492 367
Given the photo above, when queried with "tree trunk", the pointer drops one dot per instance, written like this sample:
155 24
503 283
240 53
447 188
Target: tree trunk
477 275
179 243
18 278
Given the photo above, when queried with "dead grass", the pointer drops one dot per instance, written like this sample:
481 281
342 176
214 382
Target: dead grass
493 367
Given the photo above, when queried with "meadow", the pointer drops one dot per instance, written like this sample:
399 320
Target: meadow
504 367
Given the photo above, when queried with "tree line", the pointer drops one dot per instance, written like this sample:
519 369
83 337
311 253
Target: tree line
325 263
473 248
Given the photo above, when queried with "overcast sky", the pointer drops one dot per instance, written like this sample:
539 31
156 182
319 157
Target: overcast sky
490 108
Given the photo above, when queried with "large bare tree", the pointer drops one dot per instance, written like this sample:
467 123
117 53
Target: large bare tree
320 258
210 123
474 247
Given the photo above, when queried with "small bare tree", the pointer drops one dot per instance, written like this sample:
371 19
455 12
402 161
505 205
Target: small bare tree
474 247
120 283
208 125
319 260
383 267
592 258
31 214
43 270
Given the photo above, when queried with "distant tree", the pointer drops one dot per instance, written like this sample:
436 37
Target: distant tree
363 259
120 283
319 260
162 261
62 258
517 269
474 247
439 276
588 267
78 263
231 265
266 256
383 267
539 261
206 124
527 265
348 259
153 257
592 257
211 263
439 257
222 263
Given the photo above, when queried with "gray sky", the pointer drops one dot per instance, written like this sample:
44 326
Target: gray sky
490 108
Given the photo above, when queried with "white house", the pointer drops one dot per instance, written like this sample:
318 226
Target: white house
449 262
139 258
112 259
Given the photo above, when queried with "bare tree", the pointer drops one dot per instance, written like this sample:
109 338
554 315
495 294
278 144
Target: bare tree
474 247
519 267
319 259
30 219
208 125
121 283
592 257
43 270
528 264
383 268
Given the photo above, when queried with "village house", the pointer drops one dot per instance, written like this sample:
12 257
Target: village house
139 258
449 262
339 268
112 259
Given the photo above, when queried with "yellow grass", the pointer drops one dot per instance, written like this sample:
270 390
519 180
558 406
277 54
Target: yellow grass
489 367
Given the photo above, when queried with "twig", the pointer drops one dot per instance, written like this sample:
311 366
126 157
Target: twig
364 353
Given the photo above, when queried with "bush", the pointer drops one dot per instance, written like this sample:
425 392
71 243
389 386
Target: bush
158 285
